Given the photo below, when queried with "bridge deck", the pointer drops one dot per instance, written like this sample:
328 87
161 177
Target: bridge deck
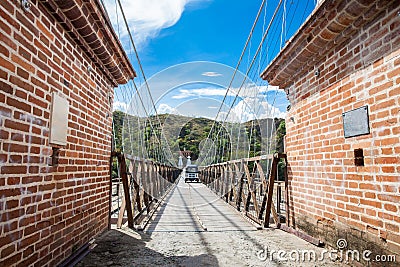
176 237
192 207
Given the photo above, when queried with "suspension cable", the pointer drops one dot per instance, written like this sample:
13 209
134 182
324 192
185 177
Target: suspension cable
142 72
238 64
252 63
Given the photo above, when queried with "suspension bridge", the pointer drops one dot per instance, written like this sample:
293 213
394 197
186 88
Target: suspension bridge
238 149
243 168
163 220
238 154
150 188
201 171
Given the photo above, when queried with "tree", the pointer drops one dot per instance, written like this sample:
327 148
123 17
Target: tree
118 123
279 139
280 135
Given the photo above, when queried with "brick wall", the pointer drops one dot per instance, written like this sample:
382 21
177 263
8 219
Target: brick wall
47 212
329 193
331 198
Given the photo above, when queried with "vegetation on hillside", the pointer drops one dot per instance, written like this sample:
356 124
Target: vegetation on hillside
165 135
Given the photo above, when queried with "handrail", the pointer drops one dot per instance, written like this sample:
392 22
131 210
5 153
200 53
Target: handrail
145 183
248 185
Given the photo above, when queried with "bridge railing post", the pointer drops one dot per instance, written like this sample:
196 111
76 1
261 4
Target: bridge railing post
270 190
248 184
126 187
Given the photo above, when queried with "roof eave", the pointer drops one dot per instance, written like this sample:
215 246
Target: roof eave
87 21
330 24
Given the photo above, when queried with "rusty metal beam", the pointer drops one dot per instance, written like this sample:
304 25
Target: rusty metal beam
272 178
126 187
302 235
287 207
144 183
121 213
258 186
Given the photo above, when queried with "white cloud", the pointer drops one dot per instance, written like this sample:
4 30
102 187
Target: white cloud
268 88
146 17
245 92
185 93
247 109
271 112
251 103
166 109
122 106
255 91
211 74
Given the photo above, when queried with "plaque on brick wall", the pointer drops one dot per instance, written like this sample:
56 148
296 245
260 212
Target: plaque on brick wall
356 122
58 120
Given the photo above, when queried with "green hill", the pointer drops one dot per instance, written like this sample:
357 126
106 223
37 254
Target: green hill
177 133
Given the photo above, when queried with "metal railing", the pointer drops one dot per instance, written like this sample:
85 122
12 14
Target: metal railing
144 183
251 185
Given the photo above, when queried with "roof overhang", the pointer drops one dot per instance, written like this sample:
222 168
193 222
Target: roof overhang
88 25
332 23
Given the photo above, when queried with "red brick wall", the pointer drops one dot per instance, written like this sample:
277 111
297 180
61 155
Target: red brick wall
48 212
331 197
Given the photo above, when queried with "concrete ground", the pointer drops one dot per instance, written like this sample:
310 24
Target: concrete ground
193 227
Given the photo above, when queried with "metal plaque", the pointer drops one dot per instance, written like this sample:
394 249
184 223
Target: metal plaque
356 122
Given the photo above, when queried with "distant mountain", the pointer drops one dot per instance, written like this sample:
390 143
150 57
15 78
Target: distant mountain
168 134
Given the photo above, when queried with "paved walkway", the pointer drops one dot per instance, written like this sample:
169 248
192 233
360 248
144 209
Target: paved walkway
177 237
192 207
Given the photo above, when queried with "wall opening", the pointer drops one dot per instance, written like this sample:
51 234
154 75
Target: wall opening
359 157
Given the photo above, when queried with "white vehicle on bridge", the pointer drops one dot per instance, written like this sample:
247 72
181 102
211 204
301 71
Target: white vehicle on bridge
192 174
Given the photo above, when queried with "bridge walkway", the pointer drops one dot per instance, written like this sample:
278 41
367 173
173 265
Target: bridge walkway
194 227
192 207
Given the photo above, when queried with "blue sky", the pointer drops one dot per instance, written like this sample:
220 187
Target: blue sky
172 34
202 34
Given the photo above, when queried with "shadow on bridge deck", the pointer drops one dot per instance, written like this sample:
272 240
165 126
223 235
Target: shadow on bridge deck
176 237
128 248
192 207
